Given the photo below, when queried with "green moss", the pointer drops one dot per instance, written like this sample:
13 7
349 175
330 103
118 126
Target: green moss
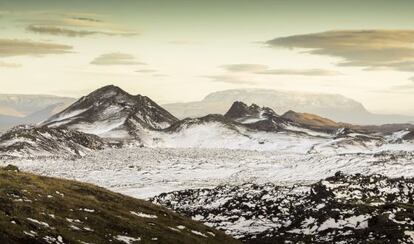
79 212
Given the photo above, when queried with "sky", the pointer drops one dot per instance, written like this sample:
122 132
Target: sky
181 50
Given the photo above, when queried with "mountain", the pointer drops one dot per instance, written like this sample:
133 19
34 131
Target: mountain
266 119
32 142
242 127
110 112
37 209
310 119
339 209
335 107
10 111
244 114
18 109
218 131
110 117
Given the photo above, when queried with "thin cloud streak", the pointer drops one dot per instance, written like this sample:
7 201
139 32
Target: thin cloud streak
305 72
16 47
116 59
58 31
264 70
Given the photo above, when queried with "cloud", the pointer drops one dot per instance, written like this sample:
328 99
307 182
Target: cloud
264 70
9 65
160 75
59 31
231 79
70 24
15 47
116 59
306 72
146 71
244 67
393 49
87 19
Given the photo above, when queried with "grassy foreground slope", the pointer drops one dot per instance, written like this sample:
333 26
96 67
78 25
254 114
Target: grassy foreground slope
35 209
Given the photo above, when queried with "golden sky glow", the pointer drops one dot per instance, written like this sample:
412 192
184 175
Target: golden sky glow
182 50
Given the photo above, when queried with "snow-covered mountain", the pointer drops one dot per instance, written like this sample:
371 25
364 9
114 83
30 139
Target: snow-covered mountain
217 131
118 118
110 112
335 107
32 142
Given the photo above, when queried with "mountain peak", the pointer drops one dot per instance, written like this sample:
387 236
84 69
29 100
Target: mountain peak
112 112
240 110
107 92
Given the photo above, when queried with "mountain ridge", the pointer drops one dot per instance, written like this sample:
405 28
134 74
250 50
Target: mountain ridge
114 118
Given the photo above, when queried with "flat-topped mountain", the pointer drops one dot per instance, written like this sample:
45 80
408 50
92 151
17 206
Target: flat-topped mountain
110 112
333 106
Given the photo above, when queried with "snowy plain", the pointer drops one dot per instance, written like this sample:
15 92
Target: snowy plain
146 172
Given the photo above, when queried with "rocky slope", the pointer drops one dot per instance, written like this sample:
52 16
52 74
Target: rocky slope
339 209
311 120
38 209
32 142
110 112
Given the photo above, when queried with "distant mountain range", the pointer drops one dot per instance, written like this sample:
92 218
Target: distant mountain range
332 106
18 109
111 117
32 109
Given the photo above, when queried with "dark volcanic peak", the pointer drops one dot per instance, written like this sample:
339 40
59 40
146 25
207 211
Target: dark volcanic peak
112 112
240 112
339 209
37 209
258 118
28 141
